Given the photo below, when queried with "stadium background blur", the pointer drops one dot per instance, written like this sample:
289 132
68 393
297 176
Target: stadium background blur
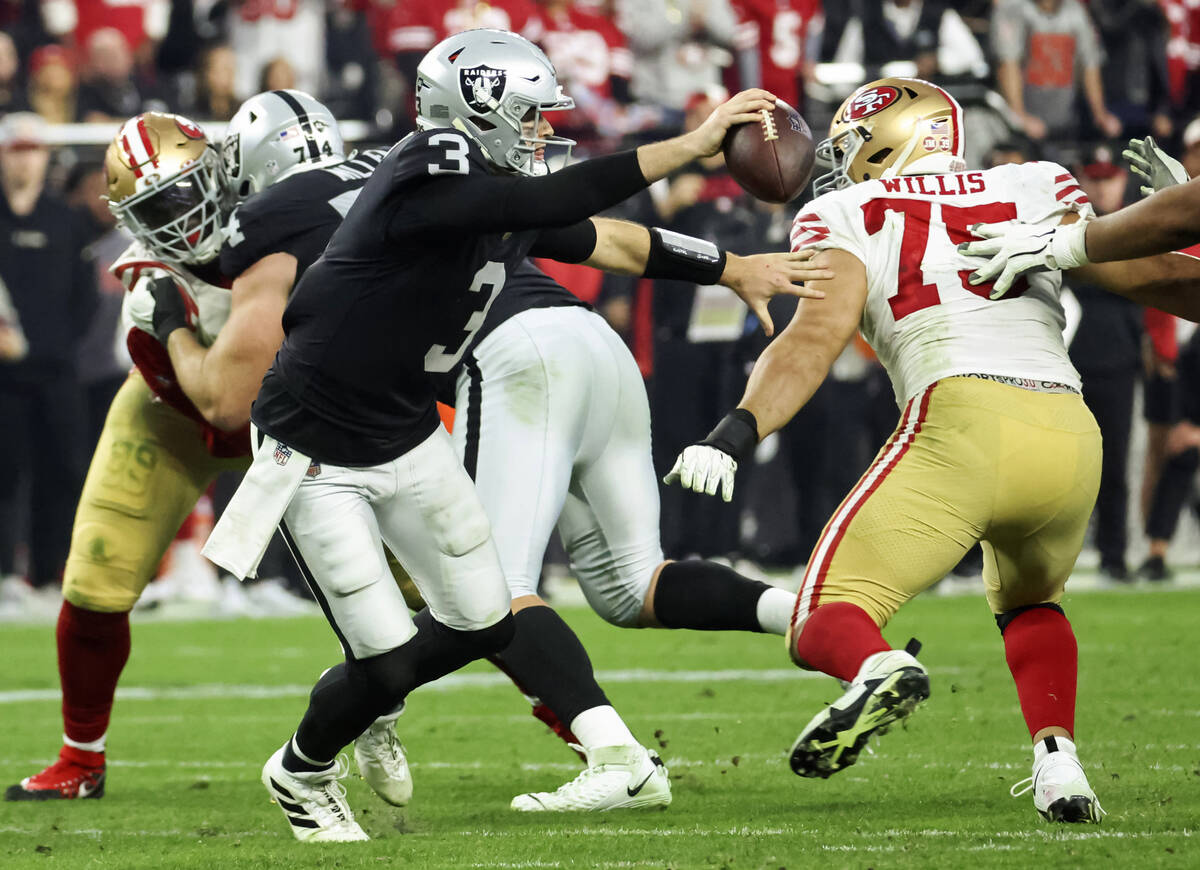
1065 80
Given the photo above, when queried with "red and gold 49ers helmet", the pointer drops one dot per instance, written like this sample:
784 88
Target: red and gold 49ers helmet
892 127
166 185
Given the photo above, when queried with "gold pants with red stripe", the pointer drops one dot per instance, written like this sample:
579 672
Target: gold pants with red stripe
972 460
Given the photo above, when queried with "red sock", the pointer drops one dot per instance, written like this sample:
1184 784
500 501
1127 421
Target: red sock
837 638
92 650
1042 655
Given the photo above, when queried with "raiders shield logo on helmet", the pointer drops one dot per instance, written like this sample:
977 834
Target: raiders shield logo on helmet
231 153
482 87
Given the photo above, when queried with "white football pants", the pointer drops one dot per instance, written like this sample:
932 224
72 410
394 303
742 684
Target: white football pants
553 424
423 506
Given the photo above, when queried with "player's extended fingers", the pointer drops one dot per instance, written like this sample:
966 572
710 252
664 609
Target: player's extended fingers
750 117
759 307
727 482
753 94
1003 284
981 248
800 267
712 477
1148 191
805 272
672 476
988 271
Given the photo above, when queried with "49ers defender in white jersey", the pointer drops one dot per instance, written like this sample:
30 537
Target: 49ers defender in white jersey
923 318
994 445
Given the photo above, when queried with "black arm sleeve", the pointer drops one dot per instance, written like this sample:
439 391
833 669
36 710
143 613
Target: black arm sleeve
572 244
507 203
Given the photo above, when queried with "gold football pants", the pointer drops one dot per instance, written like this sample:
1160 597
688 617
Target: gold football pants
149 468
972 460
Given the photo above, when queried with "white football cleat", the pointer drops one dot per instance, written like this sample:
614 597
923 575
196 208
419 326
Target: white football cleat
1061 792
382 763
617 777
886 690
314 803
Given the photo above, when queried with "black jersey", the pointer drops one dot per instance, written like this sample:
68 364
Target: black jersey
393 297
407 281
295 216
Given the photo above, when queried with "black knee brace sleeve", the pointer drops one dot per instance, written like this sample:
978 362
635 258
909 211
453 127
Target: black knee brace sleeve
706 596
1003 619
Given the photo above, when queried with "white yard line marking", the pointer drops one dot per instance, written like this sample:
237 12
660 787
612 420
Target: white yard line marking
451 683
1033 835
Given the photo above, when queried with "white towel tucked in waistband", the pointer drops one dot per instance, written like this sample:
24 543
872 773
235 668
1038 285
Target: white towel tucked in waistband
240 537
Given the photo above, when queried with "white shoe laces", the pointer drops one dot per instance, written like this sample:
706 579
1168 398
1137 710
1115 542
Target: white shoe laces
329 798
1025 786
384 746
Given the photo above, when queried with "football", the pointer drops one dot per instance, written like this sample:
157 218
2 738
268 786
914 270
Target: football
773 159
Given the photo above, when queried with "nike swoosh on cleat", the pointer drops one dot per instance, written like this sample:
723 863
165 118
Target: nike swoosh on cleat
633 792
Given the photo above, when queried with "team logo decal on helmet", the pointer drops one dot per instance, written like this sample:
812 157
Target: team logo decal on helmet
871 101
231 153
192 131
482 87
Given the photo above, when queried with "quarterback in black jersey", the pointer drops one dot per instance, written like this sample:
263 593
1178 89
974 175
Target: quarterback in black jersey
350 454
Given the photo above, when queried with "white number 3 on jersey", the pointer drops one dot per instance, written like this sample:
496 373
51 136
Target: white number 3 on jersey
454 161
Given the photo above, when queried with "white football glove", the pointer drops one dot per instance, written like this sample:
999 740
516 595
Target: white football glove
1016 249
702 468
1159 168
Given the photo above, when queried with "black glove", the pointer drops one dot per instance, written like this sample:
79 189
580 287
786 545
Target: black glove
170 312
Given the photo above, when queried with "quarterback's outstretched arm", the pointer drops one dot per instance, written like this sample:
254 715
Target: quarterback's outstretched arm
783 380
222 380
632 249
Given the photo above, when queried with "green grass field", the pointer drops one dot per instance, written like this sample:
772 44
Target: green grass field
205 703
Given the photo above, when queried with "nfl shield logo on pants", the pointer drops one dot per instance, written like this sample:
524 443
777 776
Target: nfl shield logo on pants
282 454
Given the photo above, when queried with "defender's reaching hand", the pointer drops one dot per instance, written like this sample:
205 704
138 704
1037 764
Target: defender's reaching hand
1159 168
1016 249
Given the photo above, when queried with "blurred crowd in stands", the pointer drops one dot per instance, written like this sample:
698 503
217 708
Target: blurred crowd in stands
1067 80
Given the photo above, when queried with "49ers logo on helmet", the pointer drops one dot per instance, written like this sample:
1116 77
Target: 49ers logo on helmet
871 101
188 128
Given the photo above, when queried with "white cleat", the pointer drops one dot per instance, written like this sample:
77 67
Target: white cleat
313 803
617 777
1061 792
886 690
382 763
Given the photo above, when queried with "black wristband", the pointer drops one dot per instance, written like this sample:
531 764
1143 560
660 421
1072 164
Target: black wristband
683 258
736 434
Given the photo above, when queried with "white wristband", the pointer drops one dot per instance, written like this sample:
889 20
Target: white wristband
1068 246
